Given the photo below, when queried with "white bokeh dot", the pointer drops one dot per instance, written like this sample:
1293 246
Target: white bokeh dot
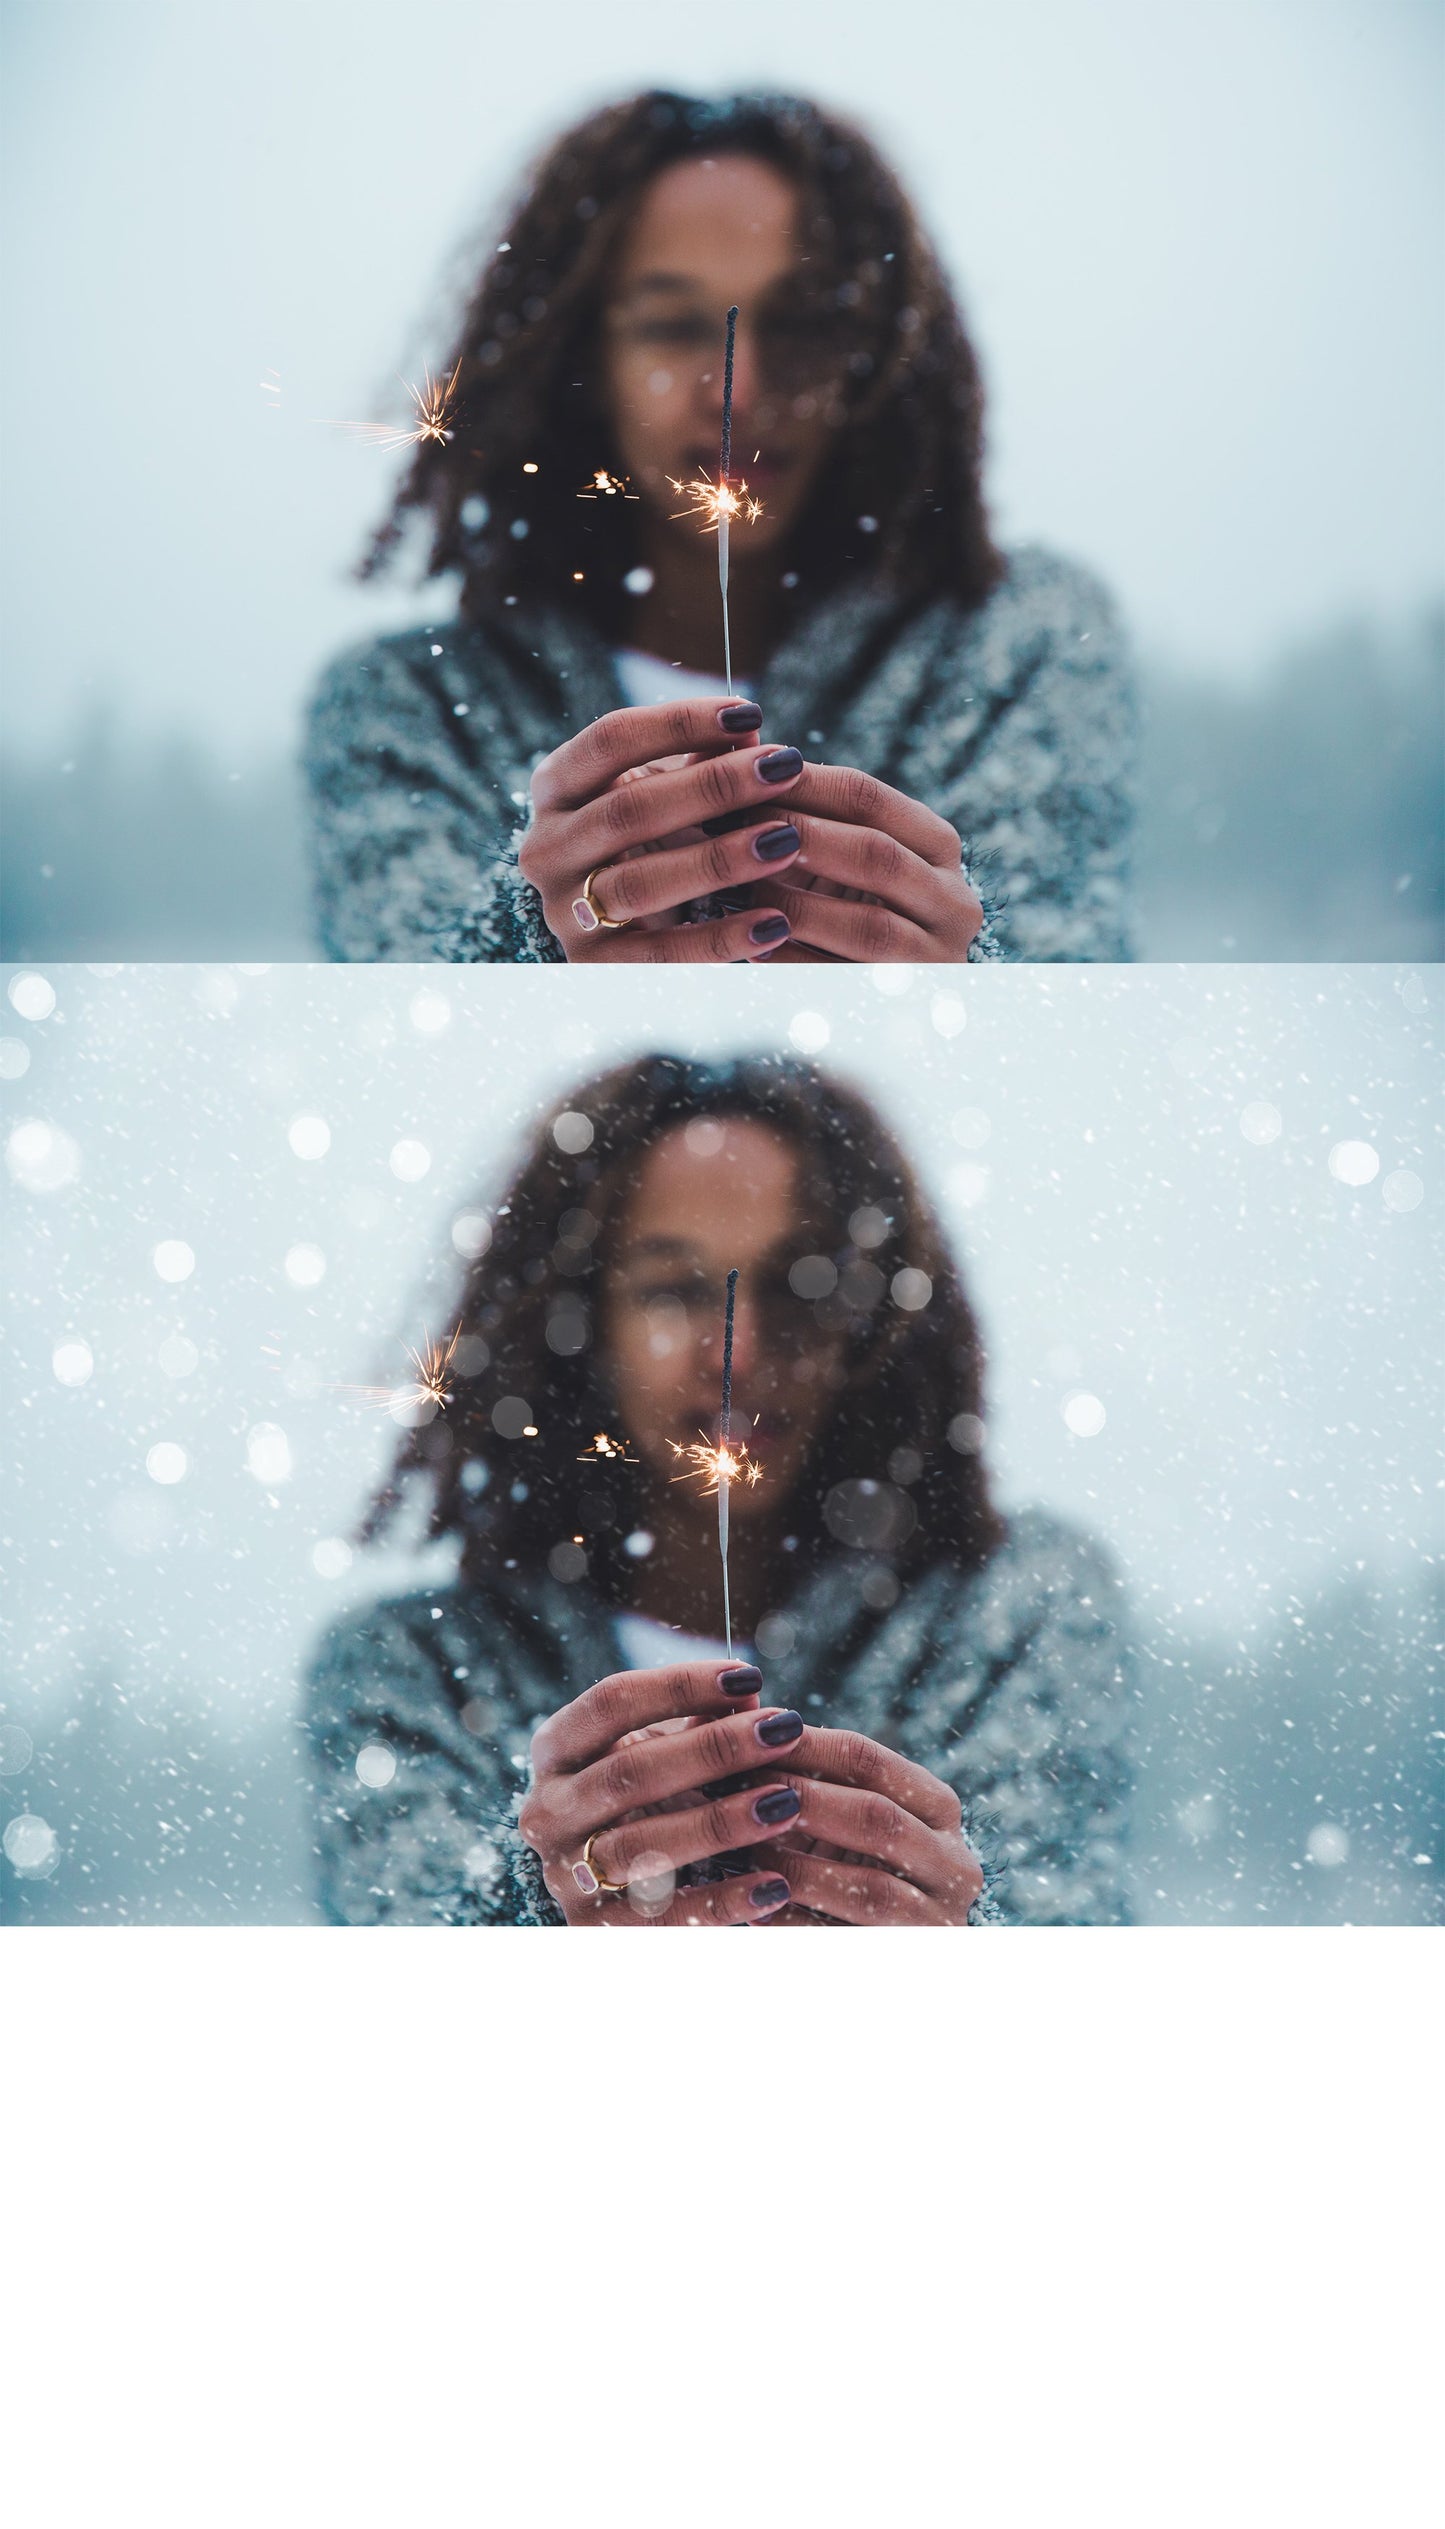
1084 1414
166 1462
949 1016
268 1453
30 1844
72 1361
14 1058
178 1356
305 1266
331 1556
572 1132
1354 1163
40 1157
809 1031
471 1235
911 1289
31 996
430 1011
1402 1190
410 1161
1261 1123
310 1136
375 1765
174 1261
1327 1846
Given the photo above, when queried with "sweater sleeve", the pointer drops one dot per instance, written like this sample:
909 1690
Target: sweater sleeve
1029 753
413 838
1032 1730
414 1815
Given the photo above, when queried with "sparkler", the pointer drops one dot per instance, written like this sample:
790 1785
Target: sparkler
602 486
430 1386
717 1470
718 504
607 1451
434 411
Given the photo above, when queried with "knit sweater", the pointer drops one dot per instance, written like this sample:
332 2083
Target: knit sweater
1013 1684
1014 721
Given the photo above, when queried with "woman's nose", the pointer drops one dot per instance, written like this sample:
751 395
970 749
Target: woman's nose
745 376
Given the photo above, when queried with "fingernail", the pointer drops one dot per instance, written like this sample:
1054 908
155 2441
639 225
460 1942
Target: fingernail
583 915
776 843
770 932
778 1729
780 764
769 1894
738 718
740 1680
774 1808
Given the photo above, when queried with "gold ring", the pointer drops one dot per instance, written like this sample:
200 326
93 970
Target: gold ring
590 1880
587 913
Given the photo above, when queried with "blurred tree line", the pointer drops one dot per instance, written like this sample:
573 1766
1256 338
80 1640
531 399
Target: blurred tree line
1300 817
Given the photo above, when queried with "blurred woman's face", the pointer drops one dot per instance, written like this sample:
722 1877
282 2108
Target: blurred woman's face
710 1195
709 234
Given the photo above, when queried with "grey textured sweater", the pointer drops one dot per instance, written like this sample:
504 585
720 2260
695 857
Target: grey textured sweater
1014 721
1012 1683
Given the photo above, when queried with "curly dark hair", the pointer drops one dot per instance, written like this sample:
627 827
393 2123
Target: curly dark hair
895 1475
872 313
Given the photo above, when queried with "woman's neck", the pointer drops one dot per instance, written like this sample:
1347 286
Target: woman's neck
680 1582
680 618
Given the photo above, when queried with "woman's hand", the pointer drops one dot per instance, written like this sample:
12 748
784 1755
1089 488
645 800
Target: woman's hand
630 1765
605 844
879 878
877 1839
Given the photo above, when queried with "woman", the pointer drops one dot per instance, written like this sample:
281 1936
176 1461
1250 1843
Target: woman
562 1737
949 728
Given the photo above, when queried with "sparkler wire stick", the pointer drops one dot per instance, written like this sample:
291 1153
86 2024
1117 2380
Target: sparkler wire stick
725 461
725 1433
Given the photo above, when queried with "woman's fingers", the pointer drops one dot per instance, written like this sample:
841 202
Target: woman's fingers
868 1823
851 1892
604 830
642 1848
581 768
910 908
641 1771
755 1896
633 1699
853 798
863 1764
854 934
658 882
732 939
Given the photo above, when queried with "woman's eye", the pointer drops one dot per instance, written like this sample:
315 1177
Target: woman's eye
689 333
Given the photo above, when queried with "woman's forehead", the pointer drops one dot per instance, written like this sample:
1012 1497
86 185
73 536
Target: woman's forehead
702 209
714 1180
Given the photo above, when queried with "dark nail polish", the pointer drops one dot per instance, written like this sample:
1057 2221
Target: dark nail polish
769 1894
776 842
780 765
774 1808
740 1680
738 718
770 932
778 1729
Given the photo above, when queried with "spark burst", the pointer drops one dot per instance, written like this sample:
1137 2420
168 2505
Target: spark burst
433 412
606 1450
602 486
430 1386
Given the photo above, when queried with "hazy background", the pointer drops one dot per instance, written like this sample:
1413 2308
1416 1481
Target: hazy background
1199 246
1137 1169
